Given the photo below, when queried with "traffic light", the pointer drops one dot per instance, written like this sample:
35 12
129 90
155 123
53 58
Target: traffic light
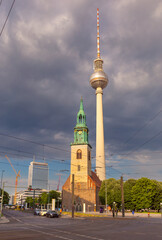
30 188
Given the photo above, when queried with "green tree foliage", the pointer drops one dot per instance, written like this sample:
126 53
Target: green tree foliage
138 194
157 199
53 194
146 194
6 197
44 198
128 185
29 201
113 192
47 197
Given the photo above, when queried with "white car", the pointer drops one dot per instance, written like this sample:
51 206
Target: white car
43 212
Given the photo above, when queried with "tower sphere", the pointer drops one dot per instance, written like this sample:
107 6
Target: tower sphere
99 79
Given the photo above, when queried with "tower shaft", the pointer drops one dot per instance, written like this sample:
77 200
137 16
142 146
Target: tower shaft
99 81
100 151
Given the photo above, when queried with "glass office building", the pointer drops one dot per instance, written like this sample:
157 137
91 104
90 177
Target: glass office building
38 175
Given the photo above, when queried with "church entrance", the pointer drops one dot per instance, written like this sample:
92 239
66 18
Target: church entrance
78 207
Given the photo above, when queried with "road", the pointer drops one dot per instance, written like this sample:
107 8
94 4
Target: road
24 226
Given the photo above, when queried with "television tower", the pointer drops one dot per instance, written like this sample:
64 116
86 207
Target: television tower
99 81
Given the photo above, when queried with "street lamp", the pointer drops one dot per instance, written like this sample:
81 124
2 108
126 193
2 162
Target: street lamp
106 195
2 198
2 180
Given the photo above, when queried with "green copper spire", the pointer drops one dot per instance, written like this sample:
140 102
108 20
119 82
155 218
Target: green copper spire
81 129
81 117
81 104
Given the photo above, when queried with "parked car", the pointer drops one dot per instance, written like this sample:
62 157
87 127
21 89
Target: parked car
43 212
52 214
37 212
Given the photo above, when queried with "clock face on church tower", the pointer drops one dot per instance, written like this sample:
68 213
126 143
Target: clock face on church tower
80 136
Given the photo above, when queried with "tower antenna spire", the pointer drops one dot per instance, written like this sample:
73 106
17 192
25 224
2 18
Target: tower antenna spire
98 35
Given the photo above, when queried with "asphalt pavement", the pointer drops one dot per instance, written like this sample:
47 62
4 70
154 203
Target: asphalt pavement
24 226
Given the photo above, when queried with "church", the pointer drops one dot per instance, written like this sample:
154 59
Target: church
86 182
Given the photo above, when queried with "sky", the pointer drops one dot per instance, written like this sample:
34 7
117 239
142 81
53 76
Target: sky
46 59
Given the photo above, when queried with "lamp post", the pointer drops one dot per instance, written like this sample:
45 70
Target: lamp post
122 197
72 195
2 198
106 195
2 180
48 197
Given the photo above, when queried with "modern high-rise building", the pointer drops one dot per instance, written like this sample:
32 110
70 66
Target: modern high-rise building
99 81
38 175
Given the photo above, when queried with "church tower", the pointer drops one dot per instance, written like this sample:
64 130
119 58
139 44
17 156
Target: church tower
86 182
81 149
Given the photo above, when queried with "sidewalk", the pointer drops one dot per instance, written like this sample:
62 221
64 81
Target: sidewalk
3 220
127 214
109 214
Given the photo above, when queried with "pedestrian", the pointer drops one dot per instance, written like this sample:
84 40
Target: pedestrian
133 212
113 211
60 211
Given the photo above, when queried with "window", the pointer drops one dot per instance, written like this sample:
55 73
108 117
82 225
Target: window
78 167
80 119
78 185
89 155
79 154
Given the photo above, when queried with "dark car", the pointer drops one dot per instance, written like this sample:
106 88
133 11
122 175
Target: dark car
52 214
101 210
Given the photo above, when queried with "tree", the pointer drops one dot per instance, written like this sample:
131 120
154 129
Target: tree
44 198
128 185
113 192
53 194
145 194
157 198
6 197
29 201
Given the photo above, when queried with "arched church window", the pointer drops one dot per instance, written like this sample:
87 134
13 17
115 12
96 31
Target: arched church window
80 119
79 154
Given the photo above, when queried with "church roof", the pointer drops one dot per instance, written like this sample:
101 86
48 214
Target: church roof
67 183
81 116
96 179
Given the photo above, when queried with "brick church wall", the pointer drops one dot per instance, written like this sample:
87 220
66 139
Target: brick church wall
83 193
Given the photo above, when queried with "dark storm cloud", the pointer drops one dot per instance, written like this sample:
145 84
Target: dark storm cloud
47 52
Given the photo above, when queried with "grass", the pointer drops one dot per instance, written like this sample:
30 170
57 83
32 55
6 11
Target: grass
80 214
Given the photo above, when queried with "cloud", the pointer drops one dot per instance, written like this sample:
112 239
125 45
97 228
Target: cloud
158 11
48 49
